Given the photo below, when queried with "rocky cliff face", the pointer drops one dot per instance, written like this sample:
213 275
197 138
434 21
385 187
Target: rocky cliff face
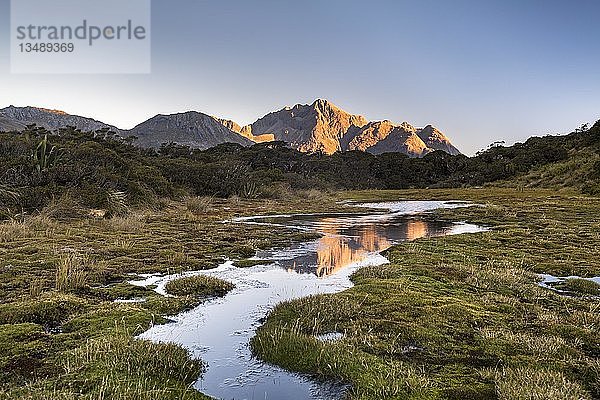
318 127
16 118
8 124
192 129
245 131
436 140
400 140
325 127
362 138
229 124
386 137
309 128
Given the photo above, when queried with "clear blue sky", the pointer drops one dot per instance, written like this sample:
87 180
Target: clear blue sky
479 70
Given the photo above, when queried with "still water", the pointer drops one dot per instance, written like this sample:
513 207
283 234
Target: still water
219 330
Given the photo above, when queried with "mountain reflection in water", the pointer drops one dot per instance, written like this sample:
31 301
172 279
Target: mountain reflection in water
345 244
219 330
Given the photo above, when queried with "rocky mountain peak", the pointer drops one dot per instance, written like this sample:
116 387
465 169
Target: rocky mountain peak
49 119
436 140
384 137
323 105
46 110
190 128
317 127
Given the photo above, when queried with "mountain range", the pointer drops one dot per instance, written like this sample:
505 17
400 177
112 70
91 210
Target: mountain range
318 127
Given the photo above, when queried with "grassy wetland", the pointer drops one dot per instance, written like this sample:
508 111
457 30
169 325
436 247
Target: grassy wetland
68 316
461 317
449 318
454 317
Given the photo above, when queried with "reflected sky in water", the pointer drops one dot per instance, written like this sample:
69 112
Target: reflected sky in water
348 240
219 330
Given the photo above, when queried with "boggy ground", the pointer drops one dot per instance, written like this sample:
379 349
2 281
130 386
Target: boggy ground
62 336
450 318
461 317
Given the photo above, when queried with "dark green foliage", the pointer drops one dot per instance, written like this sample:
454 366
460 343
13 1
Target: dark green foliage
104 171
45 156
232 169
40 166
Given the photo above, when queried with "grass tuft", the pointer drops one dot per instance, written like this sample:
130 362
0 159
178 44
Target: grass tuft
199 286
71 274
528 383
199 205
50 310
580 286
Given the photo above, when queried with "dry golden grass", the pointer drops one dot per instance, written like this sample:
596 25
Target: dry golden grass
199 205
72 273
530 383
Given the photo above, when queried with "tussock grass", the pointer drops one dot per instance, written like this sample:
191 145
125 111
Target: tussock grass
120 367
198 205
539 346
137 357
464 314
588 319
526 383
40 325
21 348
36 286
71 273
110 318
132 222
372 377
64 208
176 258
199 286
50 310
580 286
13 230
124 244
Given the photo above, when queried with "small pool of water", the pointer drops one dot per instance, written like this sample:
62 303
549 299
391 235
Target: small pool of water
219 330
